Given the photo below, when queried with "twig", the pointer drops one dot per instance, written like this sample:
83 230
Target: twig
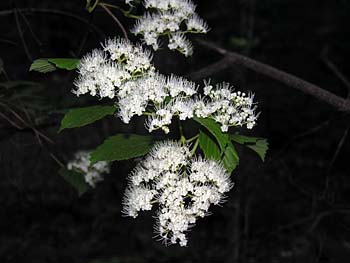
10 121
324 214
340 145
20 33
309 131
37 132
339 103
115 19
336 71
54 12
35 37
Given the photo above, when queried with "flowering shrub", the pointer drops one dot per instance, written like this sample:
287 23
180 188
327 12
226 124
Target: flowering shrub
183 178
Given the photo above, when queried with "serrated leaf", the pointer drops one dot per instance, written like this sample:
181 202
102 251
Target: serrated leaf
259 145
122 147
75 179
42 65
215 130
82 116
241 139
65 63
209 147
228 152
230 157
45 65
260 148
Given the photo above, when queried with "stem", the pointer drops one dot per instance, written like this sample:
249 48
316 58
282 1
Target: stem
125 13
195 146
192 139
182 136
57 160
115 19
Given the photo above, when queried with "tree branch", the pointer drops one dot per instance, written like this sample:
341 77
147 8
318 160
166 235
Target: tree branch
339 103
211 69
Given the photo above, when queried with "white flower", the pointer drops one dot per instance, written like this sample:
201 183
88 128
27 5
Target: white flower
125 71
134 57
226 107
184 108
183 188
180 42
180 86
168 156
137 198
197 24
92 173
167 19
91 62
210 172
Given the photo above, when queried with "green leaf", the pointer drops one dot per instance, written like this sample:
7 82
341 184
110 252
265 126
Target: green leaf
122 147
65 63
227 151
45 65
42 65
260 148
75 179
259 145
209 146
215 130
82 116
230 158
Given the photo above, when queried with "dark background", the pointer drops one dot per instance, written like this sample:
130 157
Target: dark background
292 208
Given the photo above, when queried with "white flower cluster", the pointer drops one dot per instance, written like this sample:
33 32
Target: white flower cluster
221 103
102 72
227 107
172 18
184 189
92 173
125 72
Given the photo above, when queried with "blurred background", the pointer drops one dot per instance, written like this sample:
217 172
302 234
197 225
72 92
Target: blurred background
294 207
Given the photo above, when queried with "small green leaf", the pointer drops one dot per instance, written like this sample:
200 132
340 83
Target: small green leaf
215 130
45 65
42 65
209 146
227 151
122 147
241 139
75 179
230 158
259 145
82 116
65 63
260 148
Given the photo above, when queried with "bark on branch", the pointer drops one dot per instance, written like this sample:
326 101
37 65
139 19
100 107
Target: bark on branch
230 58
